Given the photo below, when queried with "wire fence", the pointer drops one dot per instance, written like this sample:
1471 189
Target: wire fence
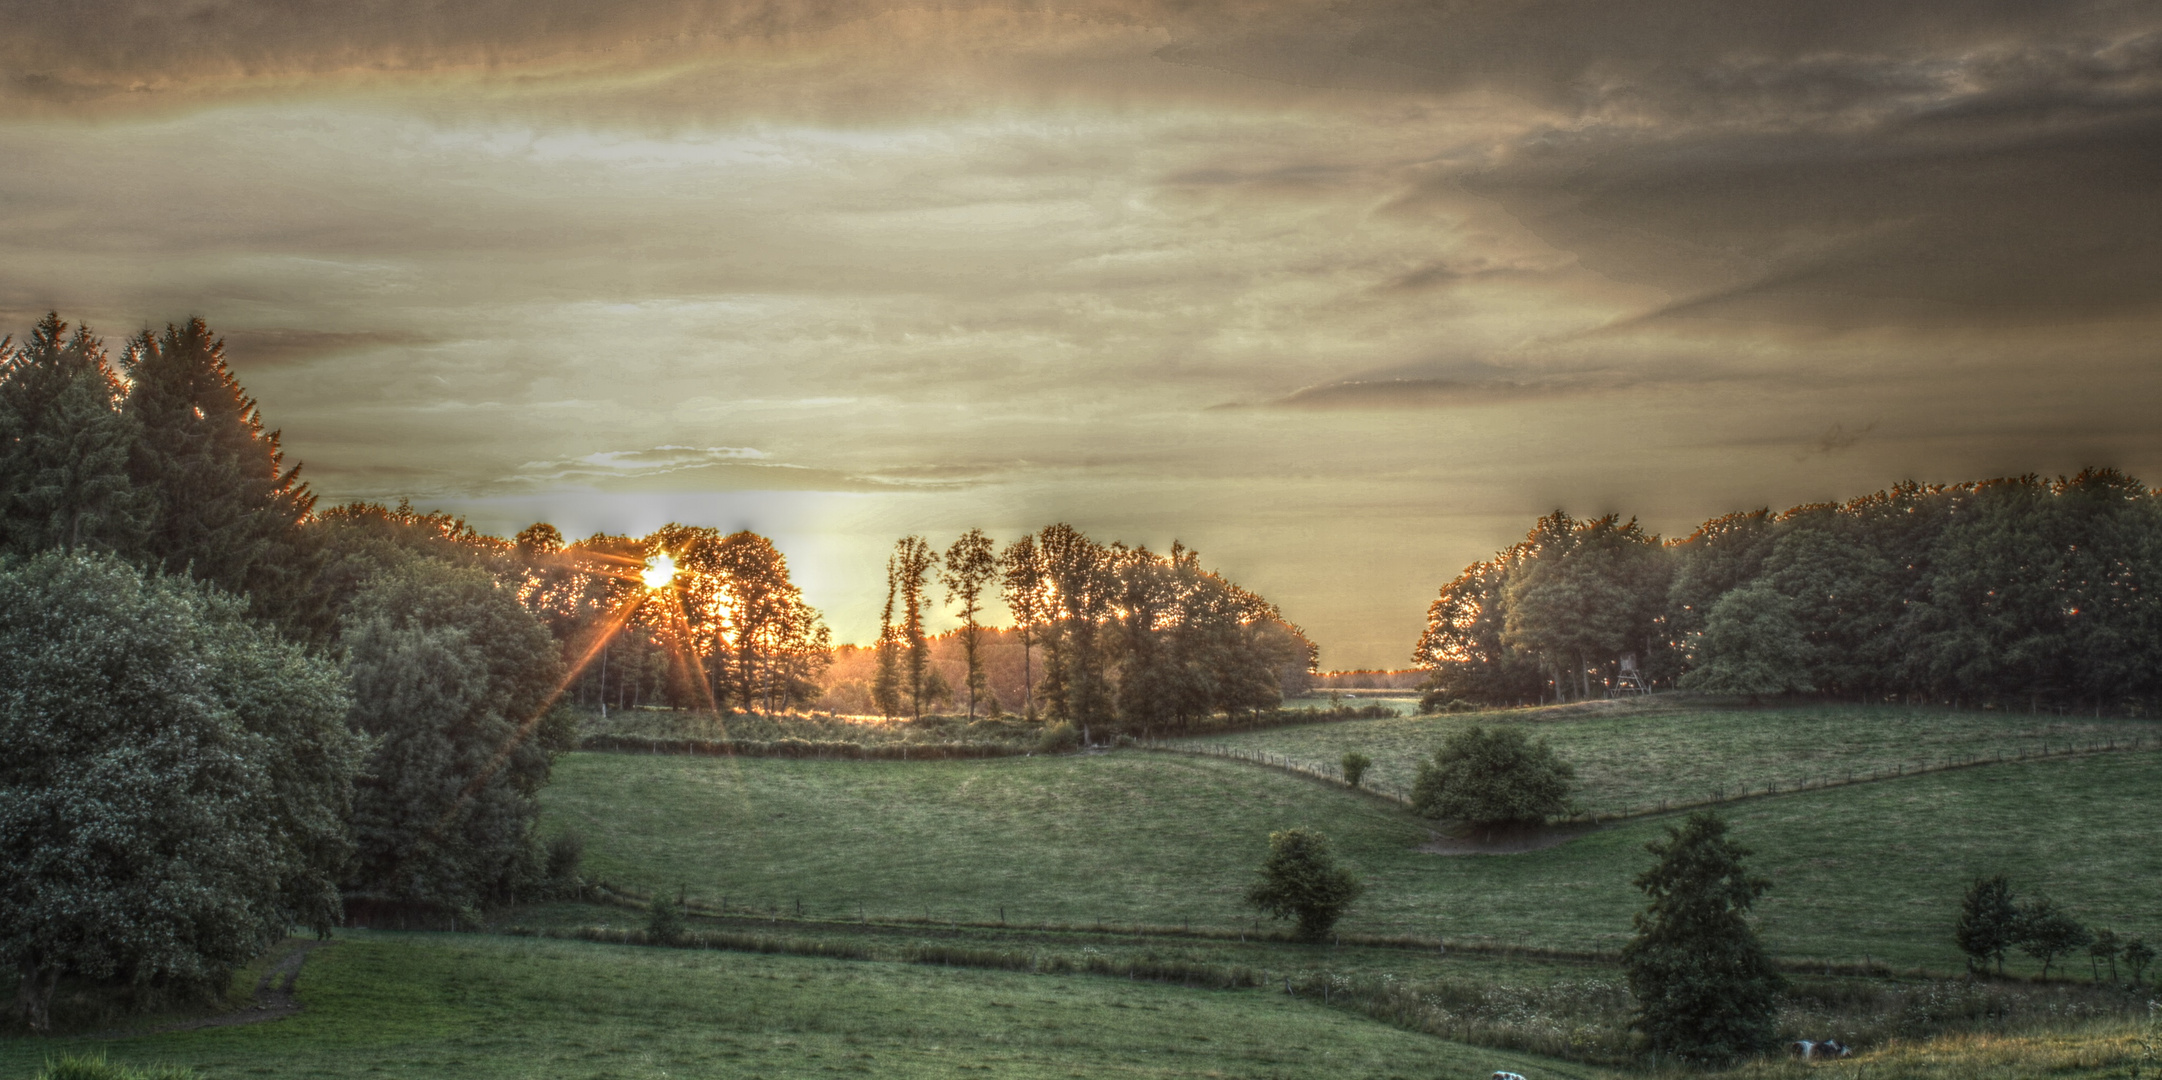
1717 796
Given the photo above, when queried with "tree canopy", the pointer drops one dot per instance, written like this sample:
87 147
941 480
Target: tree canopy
175 789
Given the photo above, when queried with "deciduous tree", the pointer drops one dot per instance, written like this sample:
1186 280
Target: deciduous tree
1704 987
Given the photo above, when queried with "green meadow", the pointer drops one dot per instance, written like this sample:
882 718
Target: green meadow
383 1005
1134 837
1631 755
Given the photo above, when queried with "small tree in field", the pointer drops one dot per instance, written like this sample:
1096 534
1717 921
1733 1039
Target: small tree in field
2105 948
1300 881
1355 766
1705 990
1988 923
2047 932
2137 955
1493 776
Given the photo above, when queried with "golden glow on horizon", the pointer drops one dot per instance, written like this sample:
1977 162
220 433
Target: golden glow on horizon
660 571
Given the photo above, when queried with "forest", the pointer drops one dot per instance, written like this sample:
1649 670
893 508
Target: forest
2023 592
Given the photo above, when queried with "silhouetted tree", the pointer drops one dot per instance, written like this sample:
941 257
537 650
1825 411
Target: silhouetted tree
913 561
1023 588
2046 932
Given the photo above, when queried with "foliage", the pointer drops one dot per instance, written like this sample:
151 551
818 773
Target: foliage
2018 591
219 502
1493 776
450 676
176 783
1988 922
1355 765
1705 989
2137 954
1059 738
64 445
1299 880
2046 932
1751 645
970 564
664 919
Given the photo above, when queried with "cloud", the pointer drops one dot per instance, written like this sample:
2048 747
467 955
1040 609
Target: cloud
286 345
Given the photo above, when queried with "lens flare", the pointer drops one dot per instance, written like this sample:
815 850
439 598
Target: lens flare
660 571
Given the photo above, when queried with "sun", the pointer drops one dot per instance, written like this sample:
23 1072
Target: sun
660 571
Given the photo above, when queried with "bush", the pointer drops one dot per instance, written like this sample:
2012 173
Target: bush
1493 776
566 850
664 919
175 782
1059 738
1355 766
1705 989
1300 881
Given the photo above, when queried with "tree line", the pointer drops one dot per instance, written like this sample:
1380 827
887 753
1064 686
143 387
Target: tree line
2017 592
1115 639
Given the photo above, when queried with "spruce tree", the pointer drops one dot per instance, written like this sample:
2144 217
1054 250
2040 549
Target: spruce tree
64 445
1988 923
1705 989
221 504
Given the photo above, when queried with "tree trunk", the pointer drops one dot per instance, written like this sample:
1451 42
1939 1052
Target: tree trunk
34 997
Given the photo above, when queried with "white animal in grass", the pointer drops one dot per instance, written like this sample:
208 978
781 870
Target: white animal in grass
1813 1050
1506 1076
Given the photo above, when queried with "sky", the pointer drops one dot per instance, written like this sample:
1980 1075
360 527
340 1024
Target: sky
1341 294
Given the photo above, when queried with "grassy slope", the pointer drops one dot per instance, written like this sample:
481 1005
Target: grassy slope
1630 757
389 1005
1132 837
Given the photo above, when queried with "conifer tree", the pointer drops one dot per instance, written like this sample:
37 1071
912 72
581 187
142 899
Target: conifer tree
220 503
1705 989
886 687
64 445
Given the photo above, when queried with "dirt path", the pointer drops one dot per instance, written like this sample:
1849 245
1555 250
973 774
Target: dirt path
276 997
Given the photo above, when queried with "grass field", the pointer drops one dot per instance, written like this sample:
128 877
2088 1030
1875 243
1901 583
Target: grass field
478 1006
1140 838
1630 756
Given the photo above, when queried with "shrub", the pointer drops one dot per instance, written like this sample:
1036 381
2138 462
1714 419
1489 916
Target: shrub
566 850
2137 955
1705 989
1059 738
1355 766
1300 881
1493 776
664 919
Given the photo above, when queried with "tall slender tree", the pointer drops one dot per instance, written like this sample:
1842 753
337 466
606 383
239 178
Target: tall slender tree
886 686
913 561
1022 587
971 563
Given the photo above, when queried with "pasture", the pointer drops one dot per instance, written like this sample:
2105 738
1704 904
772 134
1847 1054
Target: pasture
1134 837
483 1006
1631 755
